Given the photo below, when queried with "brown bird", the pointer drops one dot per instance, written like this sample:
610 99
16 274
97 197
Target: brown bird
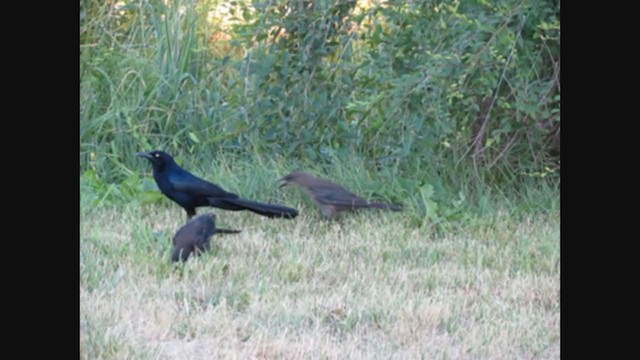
332 198
194 236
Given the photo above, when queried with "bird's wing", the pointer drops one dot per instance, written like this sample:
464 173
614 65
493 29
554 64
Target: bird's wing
192 185
206 229
332 195
195 232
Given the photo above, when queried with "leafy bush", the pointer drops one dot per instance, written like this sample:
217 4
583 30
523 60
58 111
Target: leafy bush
437 94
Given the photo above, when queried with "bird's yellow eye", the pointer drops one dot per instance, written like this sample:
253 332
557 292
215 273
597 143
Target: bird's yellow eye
157 155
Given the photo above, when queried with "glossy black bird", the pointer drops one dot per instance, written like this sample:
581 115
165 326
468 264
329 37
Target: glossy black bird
191 192
195 236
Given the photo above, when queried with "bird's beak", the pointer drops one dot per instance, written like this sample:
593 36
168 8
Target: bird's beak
145 155
285 182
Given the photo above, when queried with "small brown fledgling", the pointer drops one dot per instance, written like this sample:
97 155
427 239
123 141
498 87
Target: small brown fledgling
332 198
195 236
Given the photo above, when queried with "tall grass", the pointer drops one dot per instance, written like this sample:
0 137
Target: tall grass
165 74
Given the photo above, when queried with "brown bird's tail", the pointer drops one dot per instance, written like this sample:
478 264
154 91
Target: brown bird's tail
392 207
227 231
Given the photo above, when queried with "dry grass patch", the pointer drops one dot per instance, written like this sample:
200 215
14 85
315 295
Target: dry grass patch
367 287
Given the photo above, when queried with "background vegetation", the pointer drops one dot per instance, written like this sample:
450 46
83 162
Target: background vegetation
434 97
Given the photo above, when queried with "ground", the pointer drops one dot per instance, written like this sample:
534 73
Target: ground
369 286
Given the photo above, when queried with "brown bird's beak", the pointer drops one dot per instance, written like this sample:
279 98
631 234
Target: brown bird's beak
144 155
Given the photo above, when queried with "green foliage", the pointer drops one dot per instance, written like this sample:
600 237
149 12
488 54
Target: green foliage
96 193
443 97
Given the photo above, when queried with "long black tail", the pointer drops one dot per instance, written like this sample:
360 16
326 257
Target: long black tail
268 210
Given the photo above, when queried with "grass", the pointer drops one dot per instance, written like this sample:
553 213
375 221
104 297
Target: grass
372 285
